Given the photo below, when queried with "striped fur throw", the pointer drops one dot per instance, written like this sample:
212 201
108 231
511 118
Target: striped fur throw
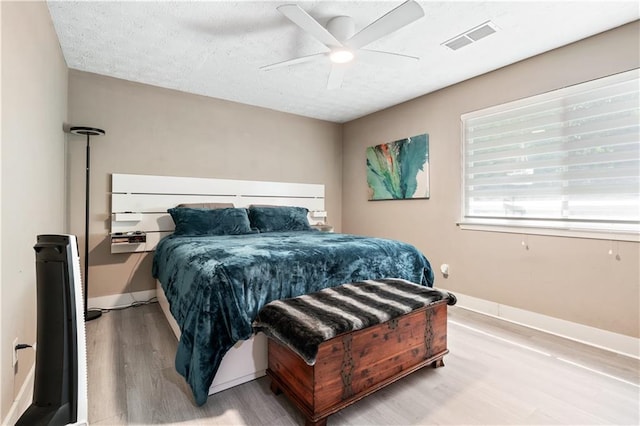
302 323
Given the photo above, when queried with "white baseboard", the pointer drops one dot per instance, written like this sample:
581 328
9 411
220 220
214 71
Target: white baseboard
120 300
608 340
23 399
614 342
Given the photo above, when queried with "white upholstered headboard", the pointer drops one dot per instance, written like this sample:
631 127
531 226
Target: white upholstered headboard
139 203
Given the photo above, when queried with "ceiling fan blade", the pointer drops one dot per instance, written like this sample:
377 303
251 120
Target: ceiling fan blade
336 76
305 21
397 18
293 61
381 58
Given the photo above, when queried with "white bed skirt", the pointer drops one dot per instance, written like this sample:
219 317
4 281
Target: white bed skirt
245 361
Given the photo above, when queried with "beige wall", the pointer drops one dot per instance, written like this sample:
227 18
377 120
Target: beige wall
164 132
572 279
34 105
159 131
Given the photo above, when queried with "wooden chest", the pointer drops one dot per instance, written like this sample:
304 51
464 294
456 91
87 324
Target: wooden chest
353 365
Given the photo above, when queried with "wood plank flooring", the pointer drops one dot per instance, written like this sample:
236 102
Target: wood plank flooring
497 373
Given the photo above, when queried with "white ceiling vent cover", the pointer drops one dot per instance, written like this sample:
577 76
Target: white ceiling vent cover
470 36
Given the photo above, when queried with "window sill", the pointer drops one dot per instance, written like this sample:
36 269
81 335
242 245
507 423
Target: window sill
553 232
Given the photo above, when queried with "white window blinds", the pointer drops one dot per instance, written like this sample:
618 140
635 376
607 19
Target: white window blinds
566 159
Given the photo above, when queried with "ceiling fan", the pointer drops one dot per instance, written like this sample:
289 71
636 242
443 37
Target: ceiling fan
344 43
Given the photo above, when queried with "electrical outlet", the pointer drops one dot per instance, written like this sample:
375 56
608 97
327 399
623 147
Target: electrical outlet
14 351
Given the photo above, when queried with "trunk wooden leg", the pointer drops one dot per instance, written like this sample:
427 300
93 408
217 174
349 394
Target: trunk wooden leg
321 422
438 363
275 388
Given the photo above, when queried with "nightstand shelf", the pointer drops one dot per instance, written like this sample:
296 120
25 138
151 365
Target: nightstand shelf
323 227
127 242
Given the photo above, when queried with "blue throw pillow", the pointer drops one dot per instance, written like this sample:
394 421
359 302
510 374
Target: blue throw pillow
230 221
279 218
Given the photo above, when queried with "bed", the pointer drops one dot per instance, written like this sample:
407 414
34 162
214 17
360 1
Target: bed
216 285
211 307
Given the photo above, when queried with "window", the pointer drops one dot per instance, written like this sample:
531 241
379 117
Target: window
566 160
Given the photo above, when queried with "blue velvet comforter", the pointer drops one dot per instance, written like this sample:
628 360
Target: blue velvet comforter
216 285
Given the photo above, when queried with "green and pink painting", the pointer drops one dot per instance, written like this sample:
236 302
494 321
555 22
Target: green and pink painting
399 170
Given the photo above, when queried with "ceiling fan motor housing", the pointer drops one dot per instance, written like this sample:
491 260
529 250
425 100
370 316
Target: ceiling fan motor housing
341 27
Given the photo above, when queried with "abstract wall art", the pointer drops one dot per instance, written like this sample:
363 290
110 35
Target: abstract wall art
399 170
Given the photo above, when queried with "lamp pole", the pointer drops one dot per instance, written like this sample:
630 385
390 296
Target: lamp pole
88 132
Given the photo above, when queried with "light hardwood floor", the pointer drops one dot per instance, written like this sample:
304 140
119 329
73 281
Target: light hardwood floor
496 373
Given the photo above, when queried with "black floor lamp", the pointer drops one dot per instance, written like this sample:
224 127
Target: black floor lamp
87 131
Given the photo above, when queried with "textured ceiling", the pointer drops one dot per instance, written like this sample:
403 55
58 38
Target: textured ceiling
216 48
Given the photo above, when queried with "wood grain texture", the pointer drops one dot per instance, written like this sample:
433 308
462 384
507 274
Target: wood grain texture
496 373
105 367
354 365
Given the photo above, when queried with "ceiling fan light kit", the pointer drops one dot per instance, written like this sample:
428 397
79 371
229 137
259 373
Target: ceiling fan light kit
341 56
344 43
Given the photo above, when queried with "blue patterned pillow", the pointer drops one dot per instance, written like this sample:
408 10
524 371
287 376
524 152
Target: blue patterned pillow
279 218
230 221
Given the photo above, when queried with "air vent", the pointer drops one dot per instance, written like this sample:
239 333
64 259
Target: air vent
470 36
459 42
